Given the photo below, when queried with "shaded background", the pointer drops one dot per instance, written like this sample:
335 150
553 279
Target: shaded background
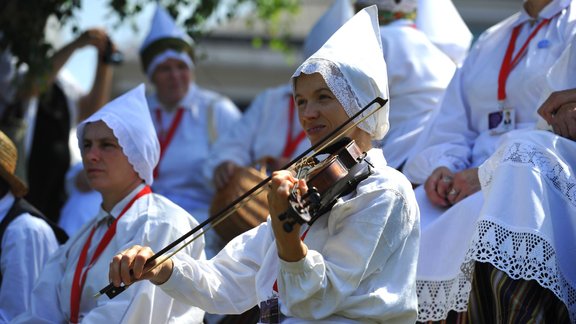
228 62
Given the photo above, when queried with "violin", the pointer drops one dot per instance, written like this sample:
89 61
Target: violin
328 180
306 208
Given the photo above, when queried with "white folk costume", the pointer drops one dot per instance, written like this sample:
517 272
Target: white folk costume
26 242
187 136
360 263
270 126
149 219
459 138
419 73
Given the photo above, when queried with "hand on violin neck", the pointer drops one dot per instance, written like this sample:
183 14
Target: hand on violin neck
290 247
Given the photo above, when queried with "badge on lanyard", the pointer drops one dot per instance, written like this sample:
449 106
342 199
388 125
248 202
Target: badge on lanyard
504 119
501 121
269 311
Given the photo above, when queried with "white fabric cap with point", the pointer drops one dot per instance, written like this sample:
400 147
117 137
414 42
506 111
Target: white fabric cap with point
164 41
129 118
352 64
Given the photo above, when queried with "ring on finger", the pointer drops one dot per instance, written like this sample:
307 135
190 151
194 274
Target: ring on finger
452 192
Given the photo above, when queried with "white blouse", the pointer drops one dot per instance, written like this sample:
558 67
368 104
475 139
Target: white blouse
360 265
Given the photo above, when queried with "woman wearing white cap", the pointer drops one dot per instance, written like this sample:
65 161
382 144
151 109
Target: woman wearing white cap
504 74
26 241
356 263
119 150
419 73
269 127
187 118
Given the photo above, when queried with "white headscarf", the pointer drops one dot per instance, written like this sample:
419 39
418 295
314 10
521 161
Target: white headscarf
163 32
129 118
443 25
331 20
354 69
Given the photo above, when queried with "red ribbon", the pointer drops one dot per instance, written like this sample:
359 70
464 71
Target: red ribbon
79 275
509 62
165 139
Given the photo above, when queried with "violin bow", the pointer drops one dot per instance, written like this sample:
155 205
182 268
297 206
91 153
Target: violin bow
111 291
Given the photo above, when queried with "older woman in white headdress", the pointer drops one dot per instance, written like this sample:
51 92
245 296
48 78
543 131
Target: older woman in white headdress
119 150
354 263
187 118
419 73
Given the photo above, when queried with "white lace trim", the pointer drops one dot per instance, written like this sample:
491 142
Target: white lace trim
339 87
522 256
522 153
437 298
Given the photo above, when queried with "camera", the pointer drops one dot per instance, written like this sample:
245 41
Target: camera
111 56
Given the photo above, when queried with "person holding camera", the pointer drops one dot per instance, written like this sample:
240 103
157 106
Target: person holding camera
40 114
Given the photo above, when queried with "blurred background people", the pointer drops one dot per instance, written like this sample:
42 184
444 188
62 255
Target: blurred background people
188 119
41 115
27 238
418 71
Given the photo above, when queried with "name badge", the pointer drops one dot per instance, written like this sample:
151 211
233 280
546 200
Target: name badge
269 312
501 121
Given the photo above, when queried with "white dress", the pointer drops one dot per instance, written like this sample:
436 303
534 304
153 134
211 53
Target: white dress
360 264
459 138
21 264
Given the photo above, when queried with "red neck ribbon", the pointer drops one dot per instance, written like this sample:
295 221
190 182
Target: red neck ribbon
79 275
166 138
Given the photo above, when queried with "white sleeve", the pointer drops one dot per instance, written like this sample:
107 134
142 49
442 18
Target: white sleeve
447 140
43 305
226 283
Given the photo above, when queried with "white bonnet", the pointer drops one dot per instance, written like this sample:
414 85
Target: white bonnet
129 118
352 64
164 41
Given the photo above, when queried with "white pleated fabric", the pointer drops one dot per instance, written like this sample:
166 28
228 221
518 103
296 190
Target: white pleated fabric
443 25
356 77
129 118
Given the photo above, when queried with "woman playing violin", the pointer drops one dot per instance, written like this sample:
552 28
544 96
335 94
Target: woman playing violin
357 261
